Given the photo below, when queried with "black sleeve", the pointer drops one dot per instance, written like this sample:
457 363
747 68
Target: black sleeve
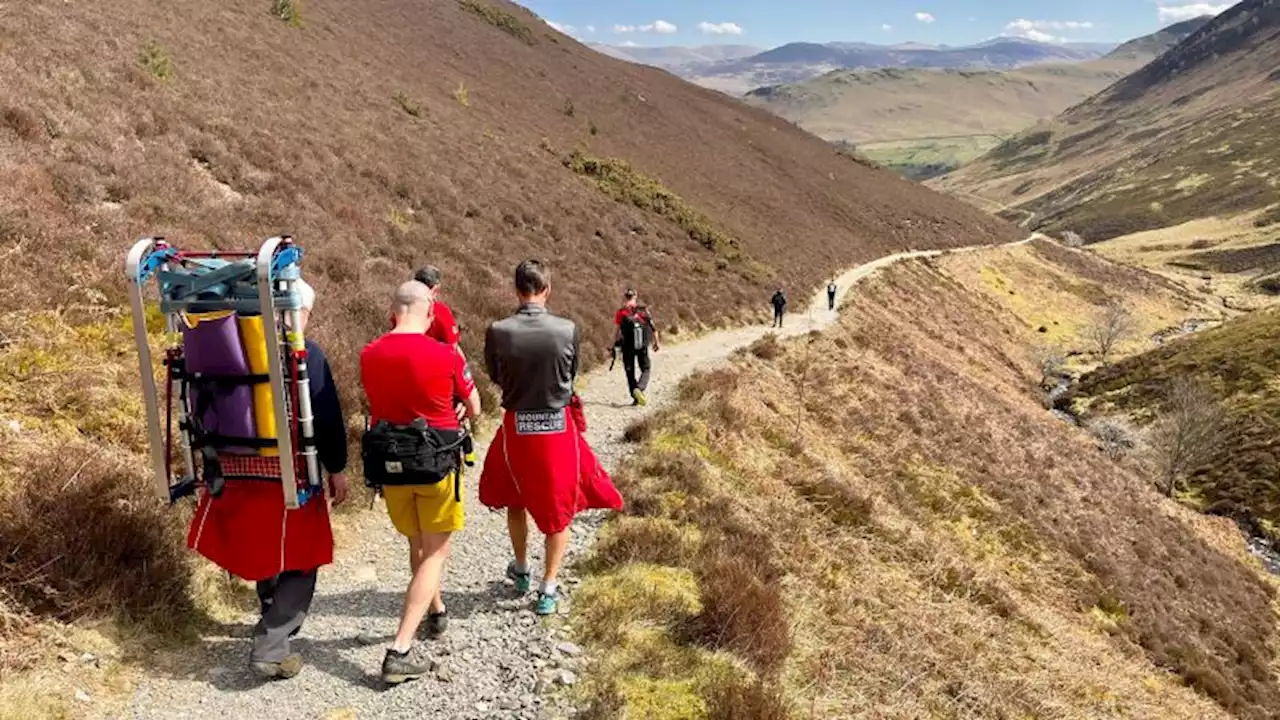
491 355
326 409
573 367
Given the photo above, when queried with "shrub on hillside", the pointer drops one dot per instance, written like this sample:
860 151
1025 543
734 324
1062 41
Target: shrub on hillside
504 21
1188 432
1116 436
156 61
81 535
1111 325
288 11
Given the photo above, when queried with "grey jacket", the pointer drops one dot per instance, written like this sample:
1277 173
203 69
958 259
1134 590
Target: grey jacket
533 357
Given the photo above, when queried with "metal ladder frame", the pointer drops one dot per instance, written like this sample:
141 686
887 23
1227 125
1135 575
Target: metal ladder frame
276 265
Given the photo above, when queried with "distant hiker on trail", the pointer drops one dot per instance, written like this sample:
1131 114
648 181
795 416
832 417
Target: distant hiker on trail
635 334
248 532
831 295
412 453
779 307
539 461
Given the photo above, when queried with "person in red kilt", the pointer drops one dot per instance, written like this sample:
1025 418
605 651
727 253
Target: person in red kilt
539 463
248 532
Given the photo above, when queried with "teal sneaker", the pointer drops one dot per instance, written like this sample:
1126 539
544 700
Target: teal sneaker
521 578
547 602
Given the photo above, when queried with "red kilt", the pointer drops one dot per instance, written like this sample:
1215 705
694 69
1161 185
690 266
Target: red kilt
249 533
550 472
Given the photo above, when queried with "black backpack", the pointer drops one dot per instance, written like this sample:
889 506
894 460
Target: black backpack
637 329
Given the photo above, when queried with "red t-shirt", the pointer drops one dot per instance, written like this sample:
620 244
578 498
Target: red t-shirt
408 376
444 327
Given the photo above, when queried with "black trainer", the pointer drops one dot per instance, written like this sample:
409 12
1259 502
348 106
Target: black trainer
437 622
398 668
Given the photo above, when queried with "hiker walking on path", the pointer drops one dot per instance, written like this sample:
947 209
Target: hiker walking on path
779 301
831 295
412 454
444 327
635 334
248 532
539 463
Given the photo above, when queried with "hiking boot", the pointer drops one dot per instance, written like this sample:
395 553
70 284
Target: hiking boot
283 670
521 578
398 668
547 602
436 623
638 396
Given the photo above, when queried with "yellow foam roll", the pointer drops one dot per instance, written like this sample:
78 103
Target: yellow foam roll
254 339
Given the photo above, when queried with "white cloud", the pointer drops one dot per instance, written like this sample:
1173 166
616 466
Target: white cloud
925 17
1036 29
886 27
662 27
566 29
1178 13
628 43
724 28
591 29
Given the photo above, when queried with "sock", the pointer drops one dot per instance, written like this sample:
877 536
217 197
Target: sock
549 588
398 651
520 568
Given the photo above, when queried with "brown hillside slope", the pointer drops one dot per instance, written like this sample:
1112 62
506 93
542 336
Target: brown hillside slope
385 133
881 520
1189 135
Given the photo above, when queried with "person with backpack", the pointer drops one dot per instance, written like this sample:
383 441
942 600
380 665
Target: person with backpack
412 454
539 463
248 531
779 302
831 295
634 336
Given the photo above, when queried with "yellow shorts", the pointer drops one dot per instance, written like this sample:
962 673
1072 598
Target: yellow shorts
417 509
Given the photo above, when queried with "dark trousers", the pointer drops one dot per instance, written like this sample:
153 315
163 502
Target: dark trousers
831 301
285 600
630 360
777 316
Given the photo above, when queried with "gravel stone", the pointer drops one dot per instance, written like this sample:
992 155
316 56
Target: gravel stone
494 641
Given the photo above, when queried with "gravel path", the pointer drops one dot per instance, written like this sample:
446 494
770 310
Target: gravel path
497 659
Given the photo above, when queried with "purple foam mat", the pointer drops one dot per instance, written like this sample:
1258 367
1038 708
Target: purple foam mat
213 346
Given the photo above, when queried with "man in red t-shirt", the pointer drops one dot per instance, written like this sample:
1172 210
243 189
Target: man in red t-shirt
443 325
408 375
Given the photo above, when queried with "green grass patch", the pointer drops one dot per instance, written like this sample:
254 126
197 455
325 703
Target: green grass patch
407 104
155 60
617 179
501 19
924 158
287 11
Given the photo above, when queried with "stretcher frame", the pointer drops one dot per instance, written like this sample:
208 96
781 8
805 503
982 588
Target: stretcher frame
269 290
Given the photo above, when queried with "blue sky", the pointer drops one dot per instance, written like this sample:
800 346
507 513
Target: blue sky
773 22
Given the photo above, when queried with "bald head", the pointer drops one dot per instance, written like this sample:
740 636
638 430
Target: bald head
411 304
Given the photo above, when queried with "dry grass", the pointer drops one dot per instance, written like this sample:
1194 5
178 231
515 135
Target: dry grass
940 545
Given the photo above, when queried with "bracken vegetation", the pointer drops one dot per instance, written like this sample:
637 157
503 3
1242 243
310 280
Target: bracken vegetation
288 11
936 544
501 19
623 183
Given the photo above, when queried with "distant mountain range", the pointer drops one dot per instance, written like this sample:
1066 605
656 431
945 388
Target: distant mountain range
736 69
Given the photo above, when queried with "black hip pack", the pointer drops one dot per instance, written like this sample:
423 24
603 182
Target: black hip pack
412 454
